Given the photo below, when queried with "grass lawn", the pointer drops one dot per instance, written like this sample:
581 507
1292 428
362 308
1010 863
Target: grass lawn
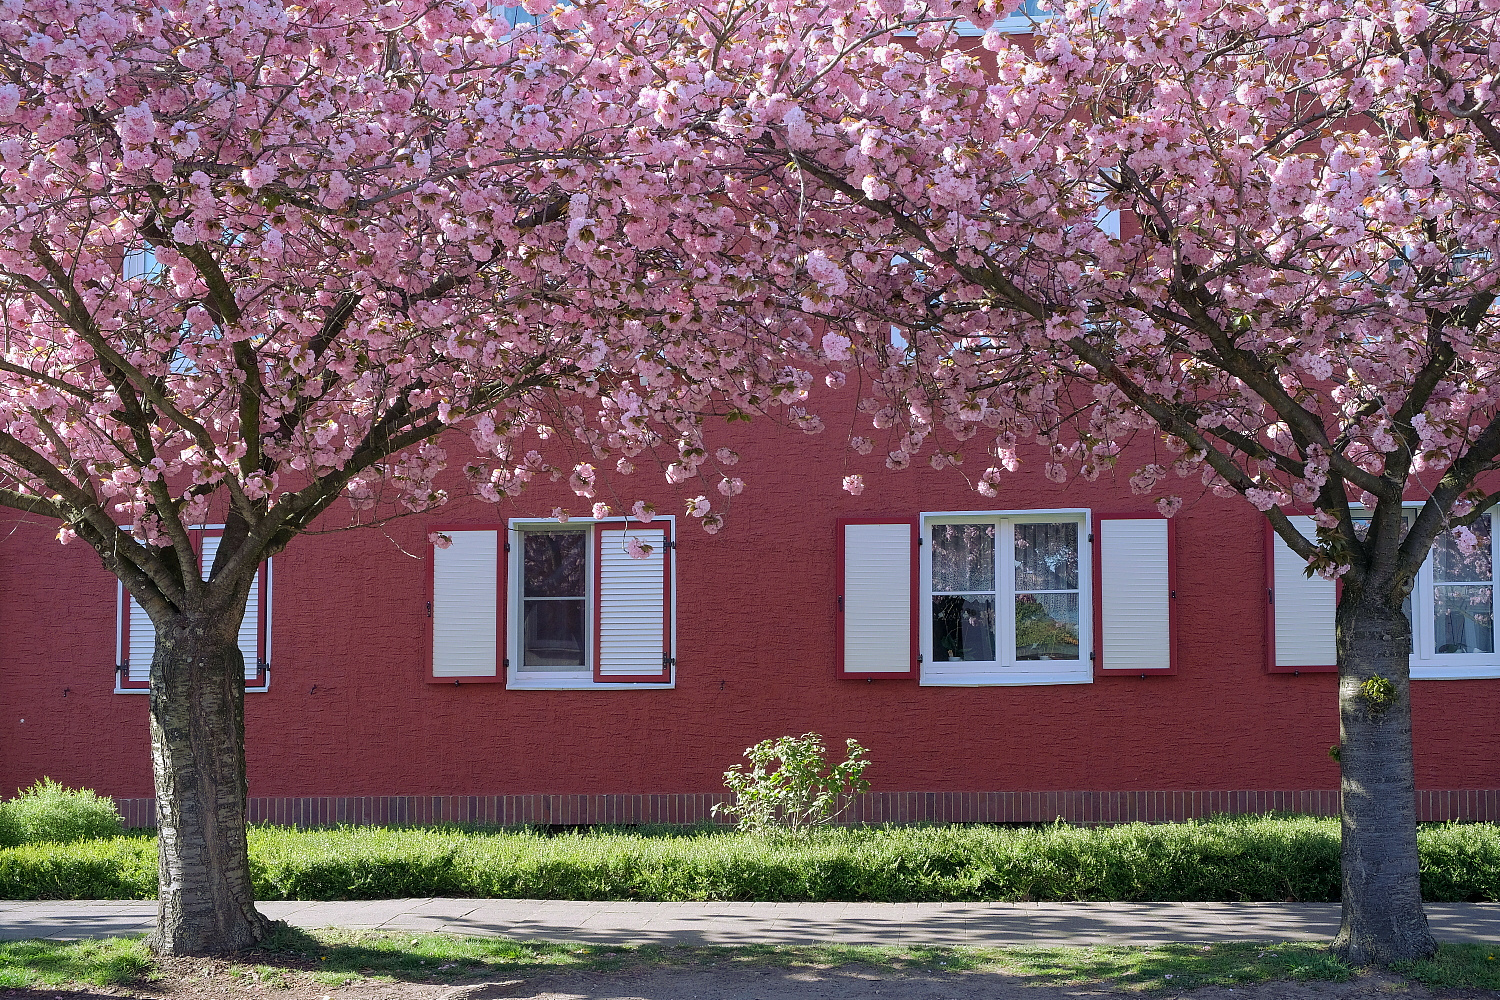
344 958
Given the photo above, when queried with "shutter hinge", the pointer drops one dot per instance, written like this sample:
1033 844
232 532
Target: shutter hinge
671 545
1091 536
919 541
919 657
1174 595
667 661
429 609
1092 656
507 546
1270 596
841 602
505 663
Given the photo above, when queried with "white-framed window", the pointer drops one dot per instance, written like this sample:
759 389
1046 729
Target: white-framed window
515 15
1451 608
1021 20
1453 628
141 263
1005 598
544 605
135 635
970 598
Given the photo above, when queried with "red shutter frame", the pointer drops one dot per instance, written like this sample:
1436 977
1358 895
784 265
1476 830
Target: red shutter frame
1102 669
915 671
665 676
502 542
122 643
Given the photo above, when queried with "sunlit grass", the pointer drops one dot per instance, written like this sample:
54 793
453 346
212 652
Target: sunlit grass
1458 966
103 962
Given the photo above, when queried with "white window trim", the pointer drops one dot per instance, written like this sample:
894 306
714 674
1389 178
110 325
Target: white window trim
1427 665
122 599
970 674
580 680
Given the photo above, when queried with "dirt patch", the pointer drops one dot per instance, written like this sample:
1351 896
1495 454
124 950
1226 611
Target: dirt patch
196 979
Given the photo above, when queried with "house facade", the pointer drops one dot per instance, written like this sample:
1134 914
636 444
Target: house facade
1057 650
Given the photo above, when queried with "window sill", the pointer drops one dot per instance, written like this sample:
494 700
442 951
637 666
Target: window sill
580 683
254 690
1082 674
1480 672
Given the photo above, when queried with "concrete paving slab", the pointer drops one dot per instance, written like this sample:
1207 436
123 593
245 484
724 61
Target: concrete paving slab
1465 922
993 924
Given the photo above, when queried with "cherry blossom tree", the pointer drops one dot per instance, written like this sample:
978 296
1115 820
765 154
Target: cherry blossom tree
1300 310
256 257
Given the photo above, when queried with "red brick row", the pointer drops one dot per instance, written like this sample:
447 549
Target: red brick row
874 807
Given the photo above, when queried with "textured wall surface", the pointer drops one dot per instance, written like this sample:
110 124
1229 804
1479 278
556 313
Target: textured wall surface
349 714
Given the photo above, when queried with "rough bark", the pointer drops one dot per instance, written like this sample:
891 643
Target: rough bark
1383 920
206 904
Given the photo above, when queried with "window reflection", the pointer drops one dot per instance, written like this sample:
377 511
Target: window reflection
554 606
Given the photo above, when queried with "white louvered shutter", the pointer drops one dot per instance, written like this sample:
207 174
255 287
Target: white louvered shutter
633 606
1302 608
877 600
250 624
1136 594
466 636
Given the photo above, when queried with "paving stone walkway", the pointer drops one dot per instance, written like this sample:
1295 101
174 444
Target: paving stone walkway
777 923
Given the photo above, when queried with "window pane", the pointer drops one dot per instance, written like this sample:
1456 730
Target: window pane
555 563
554 635
1047 556
963 558
1451 564
1046 626
1465 619
963 628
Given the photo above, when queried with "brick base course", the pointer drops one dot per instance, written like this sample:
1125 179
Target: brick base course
875 807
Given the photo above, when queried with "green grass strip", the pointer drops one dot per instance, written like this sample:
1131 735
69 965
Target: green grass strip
1276 858
334 958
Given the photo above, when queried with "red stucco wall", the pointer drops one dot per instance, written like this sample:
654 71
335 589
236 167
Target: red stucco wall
350 714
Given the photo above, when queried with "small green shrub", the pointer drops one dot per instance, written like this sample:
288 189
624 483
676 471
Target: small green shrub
790 786
49 812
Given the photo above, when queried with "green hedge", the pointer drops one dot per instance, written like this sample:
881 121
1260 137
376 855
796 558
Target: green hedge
1252 858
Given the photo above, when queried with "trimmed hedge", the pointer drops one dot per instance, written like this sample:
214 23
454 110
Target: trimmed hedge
1244 858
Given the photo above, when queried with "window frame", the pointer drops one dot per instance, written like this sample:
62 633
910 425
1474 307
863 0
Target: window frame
999 672
1426 664
582 679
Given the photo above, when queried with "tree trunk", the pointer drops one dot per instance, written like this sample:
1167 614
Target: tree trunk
206 904
1383 920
